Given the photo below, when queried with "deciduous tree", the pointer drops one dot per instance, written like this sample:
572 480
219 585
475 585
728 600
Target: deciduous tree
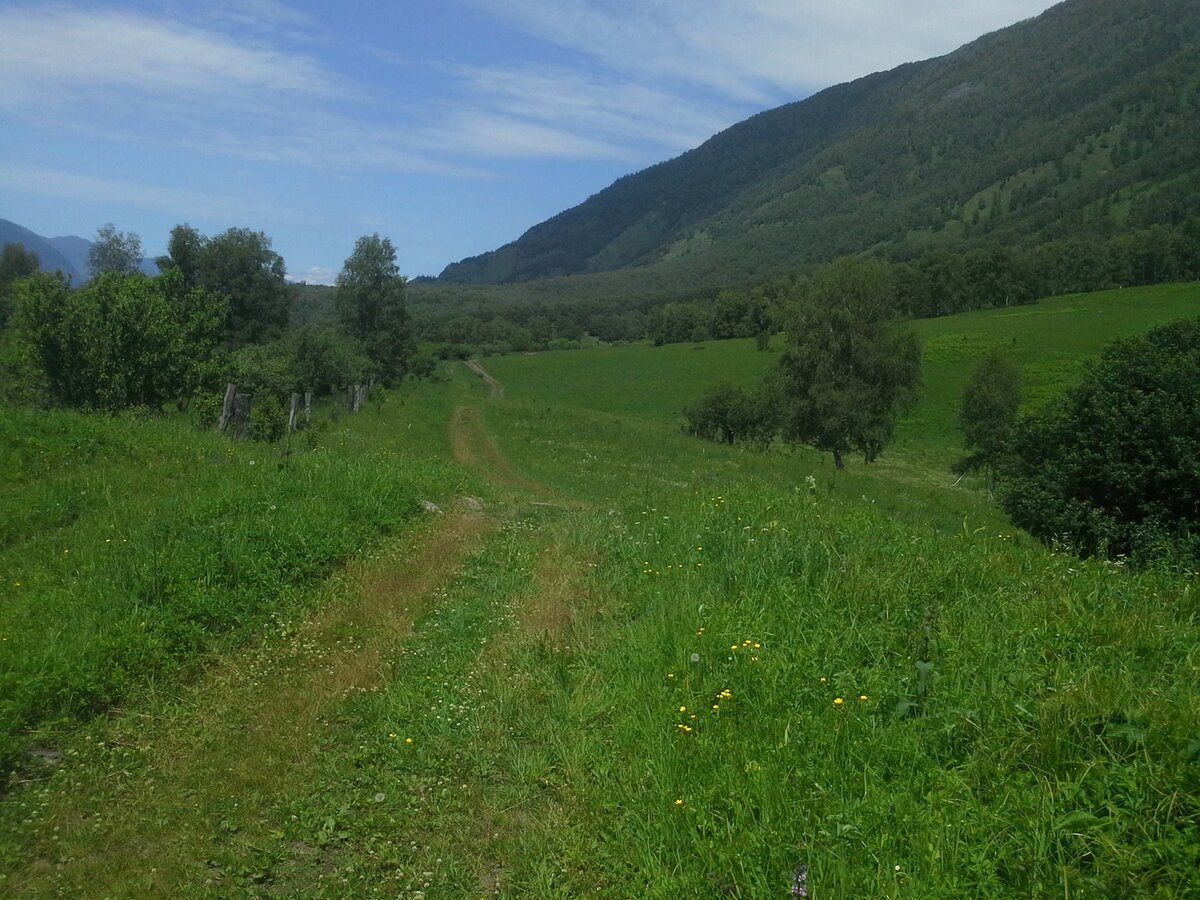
370 298
850 367
114 251
15 263
989 412
1114 467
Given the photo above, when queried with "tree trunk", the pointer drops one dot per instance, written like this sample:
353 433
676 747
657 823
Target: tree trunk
838 462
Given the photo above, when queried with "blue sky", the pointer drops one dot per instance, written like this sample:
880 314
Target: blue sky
450 127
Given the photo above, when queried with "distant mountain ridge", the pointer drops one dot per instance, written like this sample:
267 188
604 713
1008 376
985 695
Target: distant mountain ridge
49 255
1081 121
69 253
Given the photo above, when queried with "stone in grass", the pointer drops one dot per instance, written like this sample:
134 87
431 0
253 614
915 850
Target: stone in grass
430 506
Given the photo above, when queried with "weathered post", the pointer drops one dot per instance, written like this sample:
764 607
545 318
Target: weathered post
226 408
241 416
295 407
308 408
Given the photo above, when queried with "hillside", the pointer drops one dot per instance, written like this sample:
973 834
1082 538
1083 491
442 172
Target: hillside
49 256
69 253
1078 122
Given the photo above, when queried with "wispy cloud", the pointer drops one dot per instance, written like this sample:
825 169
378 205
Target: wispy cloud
757 50
145 79
605 108
63 54
183 202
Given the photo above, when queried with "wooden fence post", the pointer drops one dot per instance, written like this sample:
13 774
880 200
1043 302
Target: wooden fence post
241 416
292 413
308 407
226 408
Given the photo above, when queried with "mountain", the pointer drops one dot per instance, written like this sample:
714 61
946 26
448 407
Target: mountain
1080 122
67 253
75 249
49 256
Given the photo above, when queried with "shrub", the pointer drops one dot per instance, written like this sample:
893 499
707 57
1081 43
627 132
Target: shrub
1114 467
730 415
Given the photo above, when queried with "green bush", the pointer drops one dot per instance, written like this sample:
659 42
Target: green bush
731 415
1113 469
268 418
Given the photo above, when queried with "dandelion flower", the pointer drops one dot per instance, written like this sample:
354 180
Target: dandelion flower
824 681
679 802
683 709
838 701
408 740
863 697
670 674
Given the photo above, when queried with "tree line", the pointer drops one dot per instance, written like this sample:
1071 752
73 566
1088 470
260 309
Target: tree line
936 281
216 312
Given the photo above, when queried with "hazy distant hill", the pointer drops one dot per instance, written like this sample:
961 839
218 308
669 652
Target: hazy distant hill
76 250
50 256
68 253
1083 121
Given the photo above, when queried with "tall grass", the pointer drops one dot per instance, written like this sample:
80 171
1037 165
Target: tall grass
131 546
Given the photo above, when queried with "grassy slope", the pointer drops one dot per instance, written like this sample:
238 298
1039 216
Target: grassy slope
131 546
1025 727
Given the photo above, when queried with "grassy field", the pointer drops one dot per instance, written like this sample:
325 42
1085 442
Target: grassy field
628 664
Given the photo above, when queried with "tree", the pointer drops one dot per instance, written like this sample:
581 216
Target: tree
121 340
240 265
728 414
370 299
15 263
185 251
849 369
1113 468
114 251
989 412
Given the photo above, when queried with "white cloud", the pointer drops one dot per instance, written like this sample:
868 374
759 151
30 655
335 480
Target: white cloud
60 54
607 109
319 275
181 202
758 50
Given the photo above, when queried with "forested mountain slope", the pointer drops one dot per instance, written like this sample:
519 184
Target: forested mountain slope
1081 122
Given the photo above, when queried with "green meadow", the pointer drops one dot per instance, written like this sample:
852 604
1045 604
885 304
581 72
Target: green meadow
618 662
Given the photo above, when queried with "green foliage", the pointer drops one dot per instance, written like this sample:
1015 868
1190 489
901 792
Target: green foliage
114 251
849 370
122 340
732 415
325 360
239 265
370 297
321 360
15 263
989 412
268 418
1113 469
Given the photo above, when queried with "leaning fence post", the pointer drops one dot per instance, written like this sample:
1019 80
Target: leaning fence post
226 408
292 413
